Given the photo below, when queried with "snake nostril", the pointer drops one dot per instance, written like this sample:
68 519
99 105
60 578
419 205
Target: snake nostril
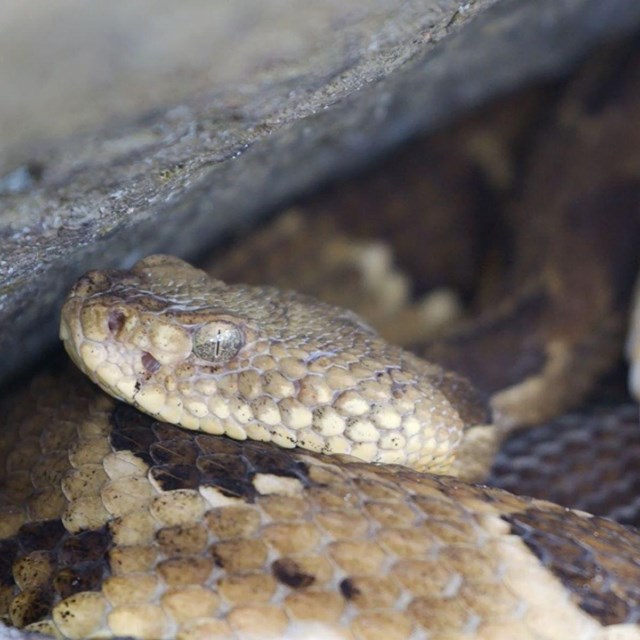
149 362
116 321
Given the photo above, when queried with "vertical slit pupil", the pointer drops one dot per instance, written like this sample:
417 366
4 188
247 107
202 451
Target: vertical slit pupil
217 351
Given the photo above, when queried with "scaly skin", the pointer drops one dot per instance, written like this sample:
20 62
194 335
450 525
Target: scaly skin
252 362
115 524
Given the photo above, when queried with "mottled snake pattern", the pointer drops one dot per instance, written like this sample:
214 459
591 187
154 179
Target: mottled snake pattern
266 465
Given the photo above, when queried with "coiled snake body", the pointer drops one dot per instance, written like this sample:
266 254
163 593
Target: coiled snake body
116 523
169 532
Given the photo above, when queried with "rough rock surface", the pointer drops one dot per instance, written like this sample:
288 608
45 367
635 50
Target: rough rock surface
134 130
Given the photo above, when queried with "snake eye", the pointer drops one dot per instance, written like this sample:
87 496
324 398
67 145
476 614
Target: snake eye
217 341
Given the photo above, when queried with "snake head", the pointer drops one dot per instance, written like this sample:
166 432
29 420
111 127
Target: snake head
161 323
259 363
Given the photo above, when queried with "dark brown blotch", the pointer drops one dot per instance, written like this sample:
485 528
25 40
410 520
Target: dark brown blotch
182 459
165 431
267 458
175 476
606 607
218 558
86 546
132 432
40 536
174 451
70 580
229 474
215 445
287 571
596 560
348 589
472 405
8 553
